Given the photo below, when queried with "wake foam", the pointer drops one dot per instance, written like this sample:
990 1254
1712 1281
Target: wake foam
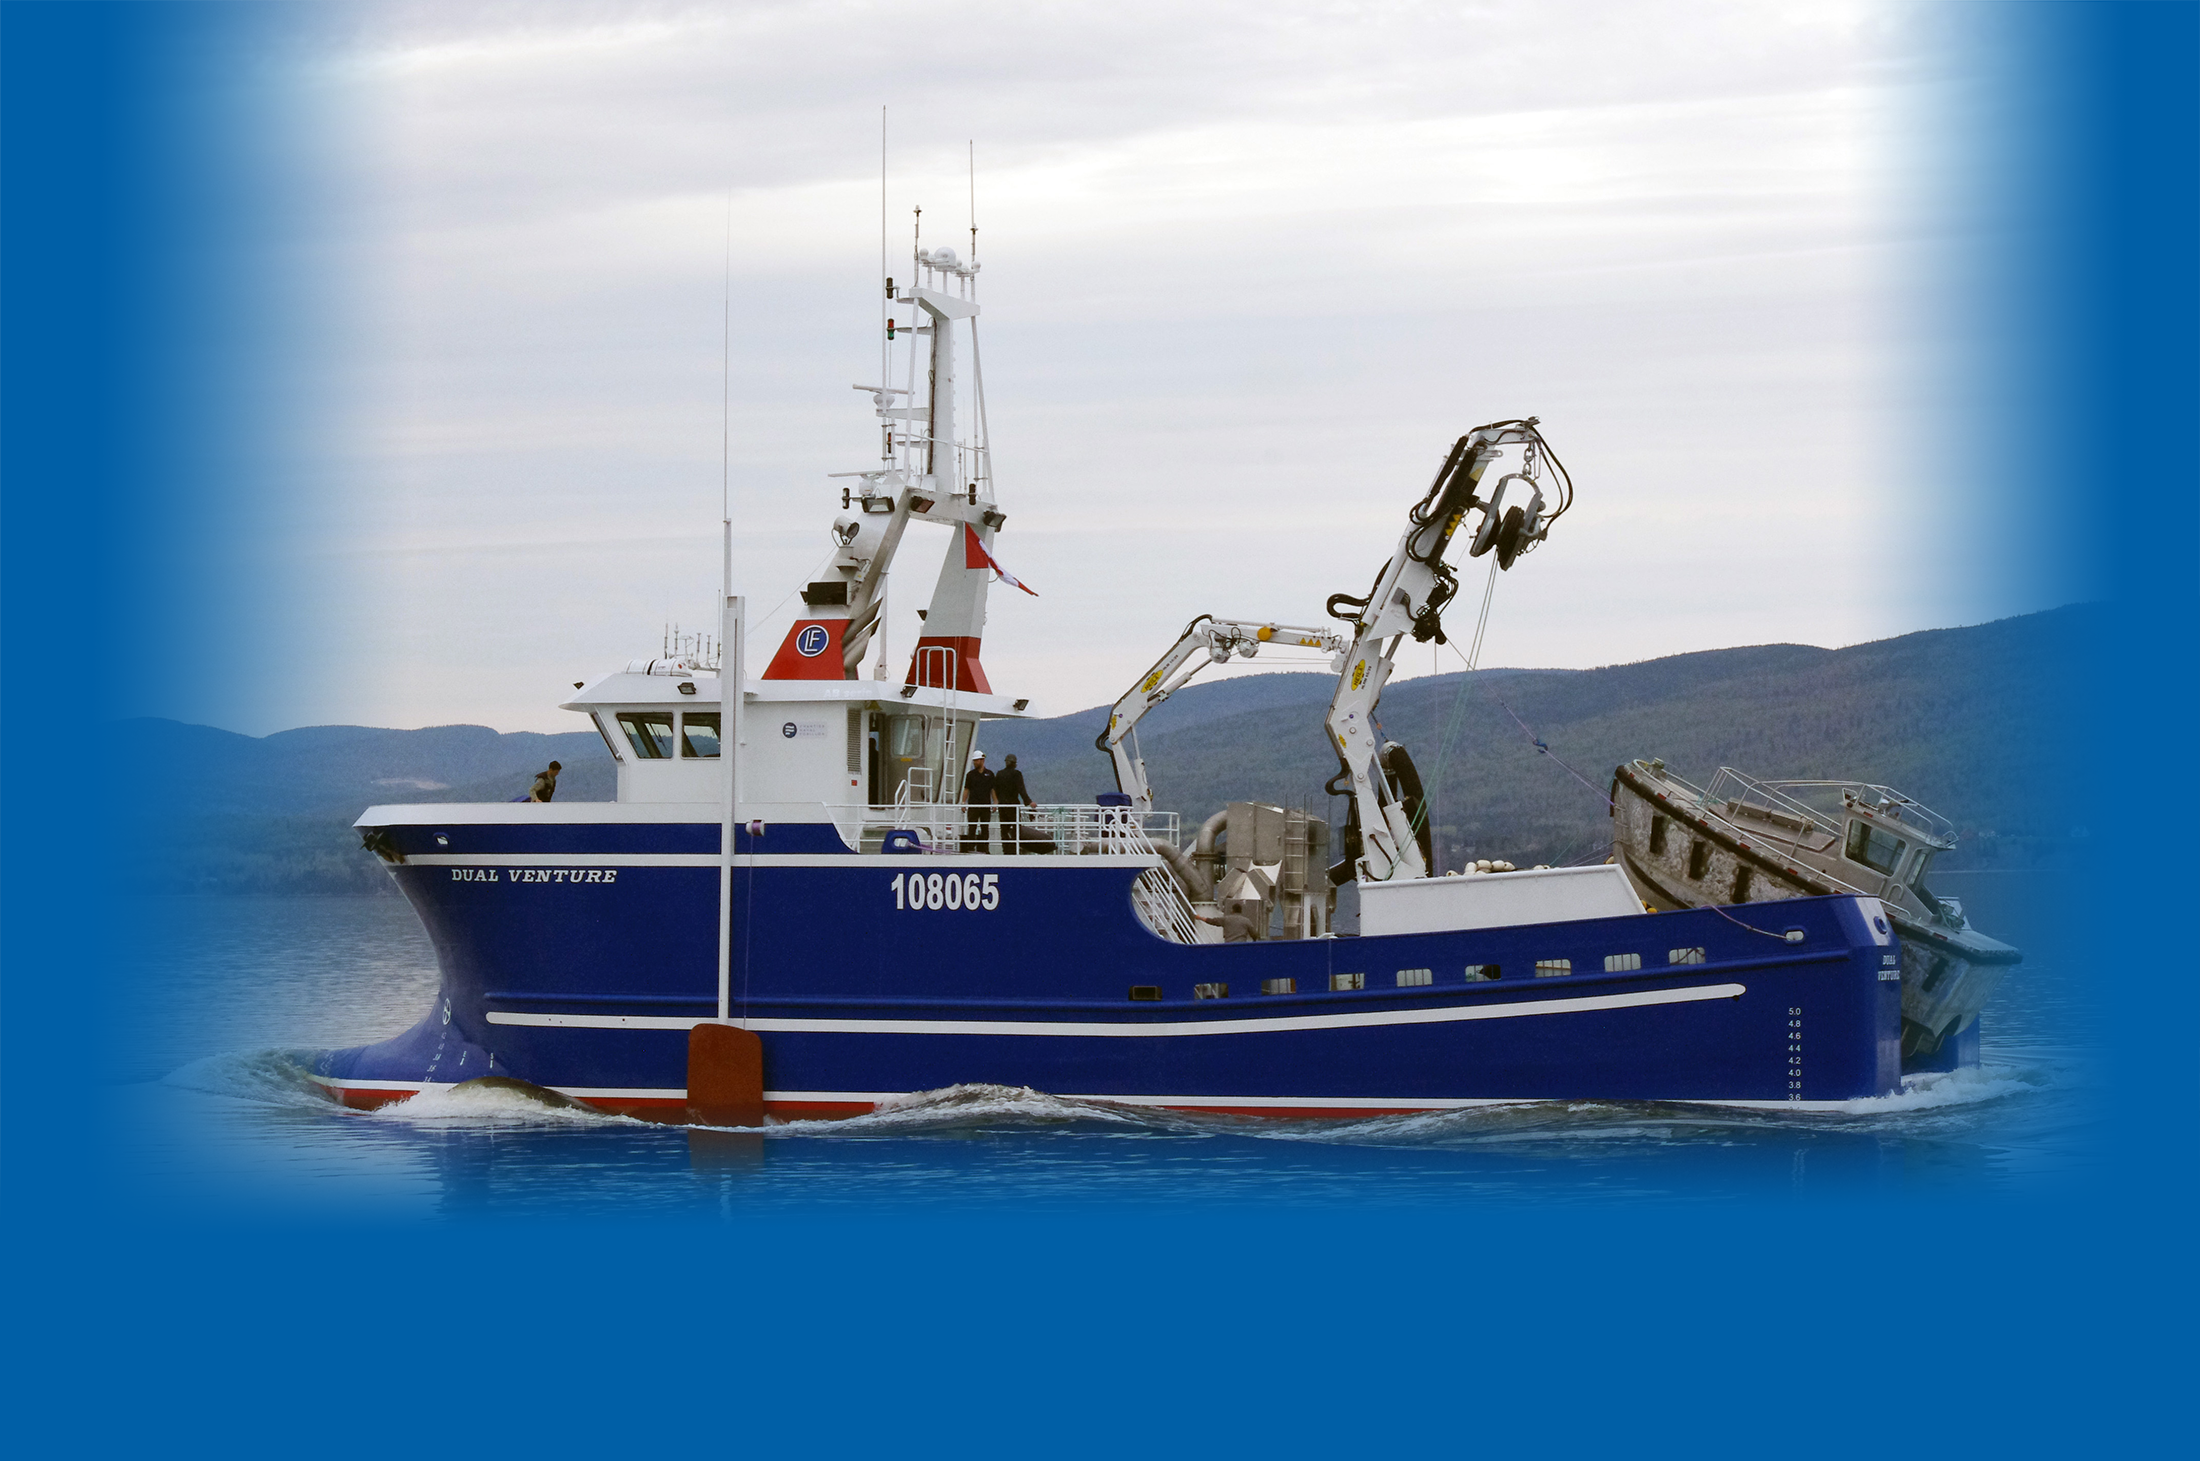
953 1108
493 1102
279 1079
1968 1087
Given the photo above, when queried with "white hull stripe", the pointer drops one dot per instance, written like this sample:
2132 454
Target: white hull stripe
1279 1024
869 860
1374 1105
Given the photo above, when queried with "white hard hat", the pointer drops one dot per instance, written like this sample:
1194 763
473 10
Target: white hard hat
977 755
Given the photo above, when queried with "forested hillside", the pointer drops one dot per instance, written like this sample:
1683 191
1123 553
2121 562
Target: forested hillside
1980 723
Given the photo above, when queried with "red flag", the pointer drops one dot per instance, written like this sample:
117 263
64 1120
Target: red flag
975 556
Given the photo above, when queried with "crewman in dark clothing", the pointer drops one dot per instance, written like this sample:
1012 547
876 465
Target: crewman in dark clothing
546 784
1236 927
977 805
1008 790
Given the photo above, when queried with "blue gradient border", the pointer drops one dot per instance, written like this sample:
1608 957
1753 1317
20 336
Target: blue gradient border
2050 1326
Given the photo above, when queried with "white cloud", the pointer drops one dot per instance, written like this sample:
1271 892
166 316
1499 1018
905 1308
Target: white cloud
1249 271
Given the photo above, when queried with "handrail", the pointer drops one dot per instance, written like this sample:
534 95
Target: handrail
1073 829
1712 804
1769 794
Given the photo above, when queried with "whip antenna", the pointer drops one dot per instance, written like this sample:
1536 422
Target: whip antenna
883 353
725 405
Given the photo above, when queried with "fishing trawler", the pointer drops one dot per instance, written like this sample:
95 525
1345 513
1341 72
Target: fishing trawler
1743 840
784 913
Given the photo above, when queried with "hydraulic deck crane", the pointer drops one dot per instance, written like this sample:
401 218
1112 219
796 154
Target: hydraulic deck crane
1218 639
1386 833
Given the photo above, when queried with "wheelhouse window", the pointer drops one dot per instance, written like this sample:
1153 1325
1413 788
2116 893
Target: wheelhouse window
1920 864
649 732
905 737
1877 850
603 729
699 734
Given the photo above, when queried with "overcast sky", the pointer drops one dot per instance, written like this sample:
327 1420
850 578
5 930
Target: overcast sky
1249 270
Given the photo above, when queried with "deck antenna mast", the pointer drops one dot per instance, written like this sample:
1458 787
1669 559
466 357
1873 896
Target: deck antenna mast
725 407
730 629
885 351
982 457
885 372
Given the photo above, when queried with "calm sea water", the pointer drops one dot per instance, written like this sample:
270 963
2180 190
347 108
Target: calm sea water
235 993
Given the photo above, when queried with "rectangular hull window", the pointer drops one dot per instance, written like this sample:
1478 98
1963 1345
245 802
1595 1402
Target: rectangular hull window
1347 981
1210 991
1553 968
1699 858
1279 986
1657 836
1684 956
1477 973
1413 978
1621 963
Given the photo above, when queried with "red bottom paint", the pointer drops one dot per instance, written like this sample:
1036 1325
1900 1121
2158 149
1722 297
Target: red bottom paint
672 1111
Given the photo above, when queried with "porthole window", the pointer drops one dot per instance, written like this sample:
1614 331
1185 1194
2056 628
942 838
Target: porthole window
1414 978
1621 963
1552 968
1347 981
1684 956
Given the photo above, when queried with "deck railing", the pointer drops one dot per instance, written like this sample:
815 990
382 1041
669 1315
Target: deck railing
1731 786
1059 830
1065 829
1824 804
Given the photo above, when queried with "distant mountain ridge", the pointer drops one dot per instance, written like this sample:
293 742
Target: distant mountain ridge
339 768
1976 722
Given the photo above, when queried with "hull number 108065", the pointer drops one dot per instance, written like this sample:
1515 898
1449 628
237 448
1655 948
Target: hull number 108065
948 890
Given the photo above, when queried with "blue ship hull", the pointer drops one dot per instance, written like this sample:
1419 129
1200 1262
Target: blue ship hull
578 957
